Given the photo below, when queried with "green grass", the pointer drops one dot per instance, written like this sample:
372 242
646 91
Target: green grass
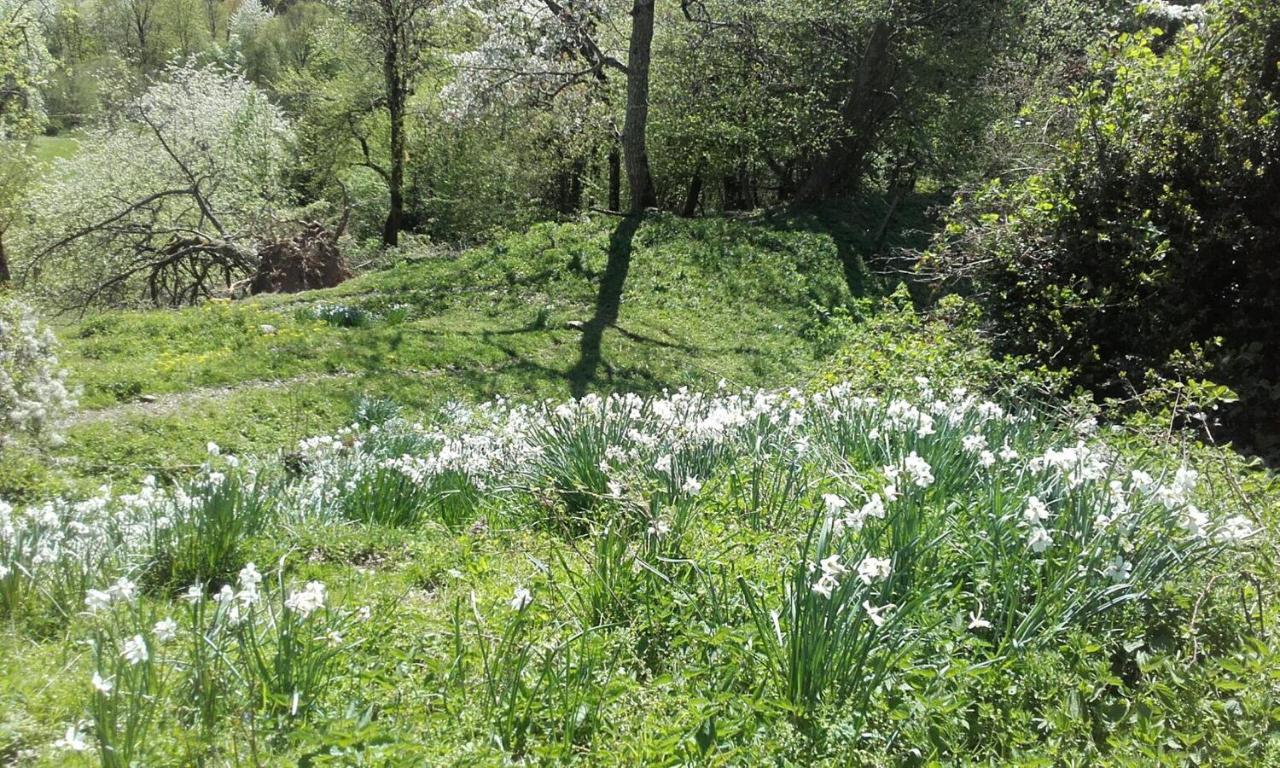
648 649
47 149
704 301
635 651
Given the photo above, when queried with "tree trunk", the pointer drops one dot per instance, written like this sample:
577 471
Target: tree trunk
5 277
635 154
693 196
396 95
575 185
869 103
615 180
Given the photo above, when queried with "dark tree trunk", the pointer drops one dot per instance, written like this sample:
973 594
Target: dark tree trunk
634 151
397 95
575 186
693 196
568 196
865 109
5 277
737 190
615 180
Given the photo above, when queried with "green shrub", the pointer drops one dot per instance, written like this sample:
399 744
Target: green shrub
1153 228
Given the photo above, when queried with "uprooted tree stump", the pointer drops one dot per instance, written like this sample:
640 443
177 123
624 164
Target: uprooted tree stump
307 259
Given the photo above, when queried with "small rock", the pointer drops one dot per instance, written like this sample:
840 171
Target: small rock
147 398
575 325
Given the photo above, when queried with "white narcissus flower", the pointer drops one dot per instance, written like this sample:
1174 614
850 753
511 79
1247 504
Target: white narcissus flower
873 508
521 599
874 569
1039 540
249 578
918 470
1037 512
307 600
1234 530
135 650
831 566
102 685
1118 570
165 630
97 600
825 586
73 740
1194 522
876 614
975 619
833 503
124 591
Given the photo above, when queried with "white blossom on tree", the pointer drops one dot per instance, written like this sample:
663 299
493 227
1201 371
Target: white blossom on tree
165 201
33 390
531 50
248 19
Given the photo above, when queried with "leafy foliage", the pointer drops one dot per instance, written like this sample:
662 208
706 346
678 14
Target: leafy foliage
1148 236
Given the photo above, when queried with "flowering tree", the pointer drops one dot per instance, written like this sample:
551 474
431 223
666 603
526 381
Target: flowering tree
246 20
164 202
24 62
33 391
549 46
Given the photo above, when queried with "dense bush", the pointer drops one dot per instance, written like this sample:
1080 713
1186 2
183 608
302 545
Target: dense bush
1151 235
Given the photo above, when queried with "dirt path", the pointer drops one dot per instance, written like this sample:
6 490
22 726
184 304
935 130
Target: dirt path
170 403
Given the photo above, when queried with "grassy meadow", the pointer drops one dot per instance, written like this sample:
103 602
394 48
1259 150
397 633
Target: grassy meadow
465 510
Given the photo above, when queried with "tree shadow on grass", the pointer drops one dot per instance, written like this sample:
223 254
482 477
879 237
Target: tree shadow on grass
608 303
875 236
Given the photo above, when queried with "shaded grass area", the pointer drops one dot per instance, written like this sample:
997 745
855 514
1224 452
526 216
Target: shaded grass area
704 301
47 149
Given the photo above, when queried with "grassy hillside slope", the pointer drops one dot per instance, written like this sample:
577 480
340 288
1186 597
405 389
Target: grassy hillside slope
704 301
701 578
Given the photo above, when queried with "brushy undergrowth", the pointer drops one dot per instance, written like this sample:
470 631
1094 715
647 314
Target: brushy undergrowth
723 577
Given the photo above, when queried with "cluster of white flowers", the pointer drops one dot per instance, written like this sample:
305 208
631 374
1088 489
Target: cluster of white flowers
522 598
33 389
194 121
670 442
1189 14
870 570
246 20
123 591
307 600
853 519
